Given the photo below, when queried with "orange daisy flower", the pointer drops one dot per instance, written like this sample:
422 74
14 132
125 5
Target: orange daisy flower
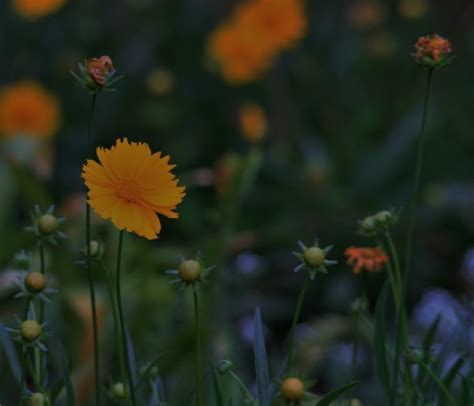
433 47
131 185
33 9
370 259
26 108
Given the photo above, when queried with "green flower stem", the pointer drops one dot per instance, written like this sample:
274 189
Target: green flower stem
43 271
35 377
36 351
98 398
113 304
409 239
23 377
296 317
416 183
197 318
122 323
242 387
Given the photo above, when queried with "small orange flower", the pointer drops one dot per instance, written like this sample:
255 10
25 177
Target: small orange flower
131 185
370 259
26 108
253 123
432 47
99 68
34 9
246 44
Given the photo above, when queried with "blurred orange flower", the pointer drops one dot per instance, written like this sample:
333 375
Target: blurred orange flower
253 122
26 108
366 13
370 259
246 44
33 9
433 47
131 185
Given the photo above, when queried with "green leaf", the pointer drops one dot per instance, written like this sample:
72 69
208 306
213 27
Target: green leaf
264 386
219 396
333 395
453 371
65 365
379 343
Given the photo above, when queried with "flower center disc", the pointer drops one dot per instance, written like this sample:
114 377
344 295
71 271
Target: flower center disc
129 191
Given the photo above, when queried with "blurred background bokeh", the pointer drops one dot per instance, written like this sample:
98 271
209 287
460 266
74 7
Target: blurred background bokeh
276 139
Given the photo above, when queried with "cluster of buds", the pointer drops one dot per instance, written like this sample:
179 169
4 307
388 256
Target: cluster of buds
433 52
378 223
46 226
191 272
96 74
313 259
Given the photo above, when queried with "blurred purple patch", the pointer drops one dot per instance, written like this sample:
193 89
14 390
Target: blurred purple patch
438 302
247 262
247 329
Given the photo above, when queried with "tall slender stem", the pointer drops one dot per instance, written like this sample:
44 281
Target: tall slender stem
23 377
131 389
197 333
89 266
416 182
113 304
296 317
43 271
401 322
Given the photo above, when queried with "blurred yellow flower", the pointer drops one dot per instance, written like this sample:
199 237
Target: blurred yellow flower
253 122
26 108
246 44
131 185
33 9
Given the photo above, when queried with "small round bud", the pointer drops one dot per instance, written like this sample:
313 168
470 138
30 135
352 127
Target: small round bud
96 249
30 330
22 261
118 390
292 389
314 257
48 224
368 223
189 270
383 216
224 366
35 282
36 399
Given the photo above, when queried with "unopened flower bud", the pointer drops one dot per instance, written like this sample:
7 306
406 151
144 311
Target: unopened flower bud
22 261
368 223
48 224
189 270
314 257
224 366
97 71
383 216
118 390
292 389
36 399
96 249
35 282
30 330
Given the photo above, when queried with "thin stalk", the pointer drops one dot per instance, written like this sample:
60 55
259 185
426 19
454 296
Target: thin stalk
23 377
89 266
43 271
115 316
38 357
197 320
355 346
131 389
411 222
296 317
416 182
36 351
